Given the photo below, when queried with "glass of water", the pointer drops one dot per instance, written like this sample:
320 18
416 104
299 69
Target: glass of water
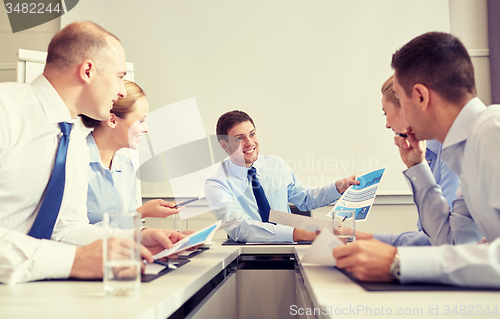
122 254
180 224
344 224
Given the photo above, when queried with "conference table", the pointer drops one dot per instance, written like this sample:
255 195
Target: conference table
246 281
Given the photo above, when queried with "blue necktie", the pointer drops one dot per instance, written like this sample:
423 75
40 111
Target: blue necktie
47 215
260 196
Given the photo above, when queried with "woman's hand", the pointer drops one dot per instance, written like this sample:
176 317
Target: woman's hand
158 208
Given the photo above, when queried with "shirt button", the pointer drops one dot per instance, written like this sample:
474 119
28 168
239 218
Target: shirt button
414 178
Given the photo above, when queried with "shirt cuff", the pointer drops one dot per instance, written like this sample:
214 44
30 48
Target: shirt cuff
419 264
420 176
284 233
332 193
54 260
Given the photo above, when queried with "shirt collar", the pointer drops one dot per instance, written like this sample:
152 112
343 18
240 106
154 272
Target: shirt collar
460 129
241 172
54 107
95 157
433 146
257 164
94 151
115 164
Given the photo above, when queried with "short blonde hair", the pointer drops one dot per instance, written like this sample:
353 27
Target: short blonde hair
125 105
388 91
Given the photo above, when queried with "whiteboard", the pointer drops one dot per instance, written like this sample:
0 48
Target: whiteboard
308 72
30 65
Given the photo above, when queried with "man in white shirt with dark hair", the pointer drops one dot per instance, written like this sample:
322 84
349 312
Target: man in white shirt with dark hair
248 185
434 81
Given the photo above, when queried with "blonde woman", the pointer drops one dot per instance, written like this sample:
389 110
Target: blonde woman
444 176
112 181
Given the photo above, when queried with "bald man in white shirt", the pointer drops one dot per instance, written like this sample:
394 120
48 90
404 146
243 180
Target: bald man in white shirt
83 75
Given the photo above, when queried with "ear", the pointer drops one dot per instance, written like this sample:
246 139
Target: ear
224 146
87 71
112 122
421 95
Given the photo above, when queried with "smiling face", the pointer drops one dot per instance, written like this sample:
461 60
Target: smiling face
131 128
242 145
393 116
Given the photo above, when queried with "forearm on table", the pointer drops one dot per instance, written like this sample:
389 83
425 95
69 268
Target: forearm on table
26 259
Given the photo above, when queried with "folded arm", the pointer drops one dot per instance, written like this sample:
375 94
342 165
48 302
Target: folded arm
24 258
227 208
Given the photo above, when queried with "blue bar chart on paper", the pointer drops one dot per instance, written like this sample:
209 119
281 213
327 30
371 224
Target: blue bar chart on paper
360 197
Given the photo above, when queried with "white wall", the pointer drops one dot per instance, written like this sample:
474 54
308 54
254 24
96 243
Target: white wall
308 72
36 38
469 22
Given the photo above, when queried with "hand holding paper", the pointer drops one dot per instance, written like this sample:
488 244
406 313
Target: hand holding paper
360 197
156 240
321 250
298 221
203 236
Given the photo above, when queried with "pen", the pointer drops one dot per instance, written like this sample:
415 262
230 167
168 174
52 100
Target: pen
166 263
187 202
402 135
345 217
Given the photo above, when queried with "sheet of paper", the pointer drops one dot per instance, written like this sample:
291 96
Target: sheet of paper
153 269
298 221
187 253
203 236
321 250
360 197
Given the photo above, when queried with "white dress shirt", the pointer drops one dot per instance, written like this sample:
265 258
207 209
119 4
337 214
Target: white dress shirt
29 138
446 179
231 198
442 225
471 149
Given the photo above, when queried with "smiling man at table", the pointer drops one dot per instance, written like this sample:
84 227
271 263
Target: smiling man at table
248 185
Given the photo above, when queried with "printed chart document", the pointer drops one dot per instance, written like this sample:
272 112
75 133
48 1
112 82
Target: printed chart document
359 197
321 250
298 221
203 236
